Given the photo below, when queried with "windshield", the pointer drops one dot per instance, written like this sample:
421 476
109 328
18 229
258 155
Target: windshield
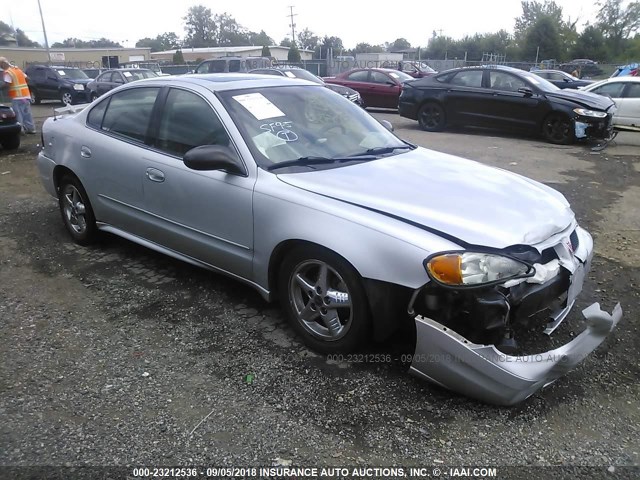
541 83
400 76
303 123
71 73
136 74
303 74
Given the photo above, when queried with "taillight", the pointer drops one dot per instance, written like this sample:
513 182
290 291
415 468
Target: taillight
8 114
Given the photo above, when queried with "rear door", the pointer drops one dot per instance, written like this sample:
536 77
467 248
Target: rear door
466 102
629 105
113 151
359 81
614 90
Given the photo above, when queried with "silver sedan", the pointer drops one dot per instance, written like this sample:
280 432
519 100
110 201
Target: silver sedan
294 190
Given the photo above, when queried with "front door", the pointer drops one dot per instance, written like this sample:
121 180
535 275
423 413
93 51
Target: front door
205 215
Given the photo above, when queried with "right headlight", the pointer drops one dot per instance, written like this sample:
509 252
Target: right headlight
475 269
589 113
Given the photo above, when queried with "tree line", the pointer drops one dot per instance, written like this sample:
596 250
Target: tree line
540 32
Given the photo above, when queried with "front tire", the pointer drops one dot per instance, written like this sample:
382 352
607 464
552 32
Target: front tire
558 129
432 117
76 211
324 300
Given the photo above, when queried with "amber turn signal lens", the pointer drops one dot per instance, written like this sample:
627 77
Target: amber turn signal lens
446 268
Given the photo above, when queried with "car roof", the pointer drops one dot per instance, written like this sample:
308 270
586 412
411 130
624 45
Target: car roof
548 70
623 79
228 81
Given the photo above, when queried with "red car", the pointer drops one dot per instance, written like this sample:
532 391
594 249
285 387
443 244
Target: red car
378 87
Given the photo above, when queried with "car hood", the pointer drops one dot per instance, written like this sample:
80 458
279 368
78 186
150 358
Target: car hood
455 197
584 99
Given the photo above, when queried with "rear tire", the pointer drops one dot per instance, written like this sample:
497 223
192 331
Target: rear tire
11 143
324 300
76 211
432 117
558 129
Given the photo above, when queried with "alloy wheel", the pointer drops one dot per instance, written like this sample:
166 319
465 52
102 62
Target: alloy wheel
321 300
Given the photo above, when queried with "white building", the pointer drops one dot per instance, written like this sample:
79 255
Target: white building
193 54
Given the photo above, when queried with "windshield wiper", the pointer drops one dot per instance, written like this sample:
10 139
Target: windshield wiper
383 150
306 161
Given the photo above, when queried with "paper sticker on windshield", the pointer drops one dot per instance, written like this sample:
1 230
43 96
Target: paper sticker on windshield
126 74
289 74
258 106
61 72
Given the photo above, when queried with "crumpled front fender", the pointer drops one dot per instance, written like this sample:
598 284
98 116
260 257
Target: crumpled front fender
481 371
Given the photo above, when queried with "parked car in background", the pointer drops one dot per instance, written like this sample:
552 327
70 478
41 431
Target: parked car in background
416 69
583 66
506 98
562 79
66 84
632 69
153 66
93 72
233 64
286 187
10 129
378 87
625 91
114 78
296 72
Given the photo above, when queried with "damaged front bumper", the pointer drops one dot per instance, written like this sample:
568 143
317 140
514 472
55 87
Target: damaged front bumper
481 371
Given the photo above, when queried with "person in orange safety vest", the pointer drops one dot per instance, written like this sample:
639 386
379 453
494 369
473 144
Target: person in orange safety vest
15 81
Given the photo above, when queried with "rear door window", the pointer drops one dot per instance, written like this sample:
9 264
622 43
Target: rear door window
129 113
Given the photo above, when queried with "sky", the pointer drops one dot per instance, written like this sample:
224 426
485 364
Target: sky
127 21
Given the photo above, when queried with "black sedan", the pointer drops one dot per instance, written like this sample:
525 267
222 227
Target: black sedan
562 79
114 78
9 128
296 72
506 98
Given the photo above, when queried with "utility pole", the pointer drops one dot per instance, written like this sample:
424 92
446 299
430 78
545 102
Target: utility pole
292 24
44 31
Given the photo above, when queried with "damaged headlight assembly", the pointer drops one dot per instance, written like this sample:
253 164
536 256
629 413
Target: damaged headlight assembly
584 112
478 369
466 269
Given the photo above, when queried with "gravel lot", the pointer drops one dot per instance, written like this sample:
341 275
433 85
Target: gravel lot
116 355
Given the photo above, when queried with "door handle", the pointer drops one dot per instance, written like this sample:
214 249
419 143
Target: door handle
85 152
155 175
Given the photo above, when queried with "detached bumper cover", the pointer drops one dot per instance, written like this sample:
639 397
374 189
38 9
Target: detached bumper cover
481 371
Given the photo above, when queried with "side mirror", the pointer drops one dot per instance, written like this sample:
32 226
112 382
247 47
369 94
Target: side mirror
391 84
214 157
526 91
386 124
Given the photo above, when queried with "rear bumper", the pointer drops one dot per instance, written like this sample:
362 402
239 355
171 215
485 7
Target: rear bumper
9 130
481 371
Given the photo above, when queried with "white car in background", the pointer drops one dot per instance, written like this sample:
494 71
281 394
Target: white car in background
625 91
